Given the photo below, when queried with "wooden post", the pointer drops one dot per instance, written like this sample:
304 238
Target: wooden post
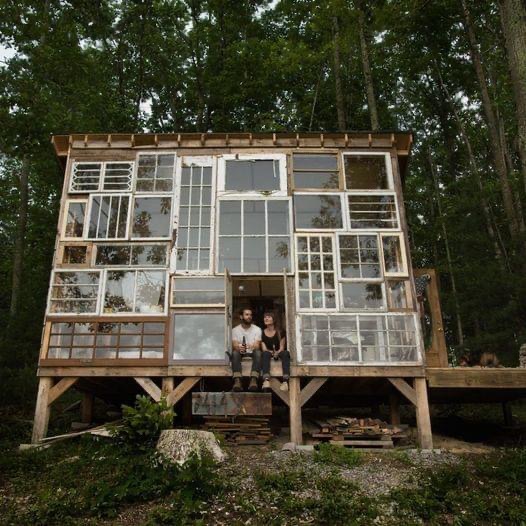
423 419
186 409
86 408
508 416
394 406
167 386
296 433
42 409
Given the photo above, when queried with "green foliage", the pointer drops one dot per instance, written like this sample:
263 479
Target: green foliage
337 455
143 423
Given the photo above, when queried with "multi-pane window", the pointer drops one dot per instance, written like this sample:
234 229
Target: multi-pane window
195 212
75 217
254 236
198 291
108 216
359 338
315 171
359 257
117 177
135 291
367 171
155 172
199 336
152 217
138 255
375 211
85 177
318 211
109 177
104 340
253 173
74 292
315 273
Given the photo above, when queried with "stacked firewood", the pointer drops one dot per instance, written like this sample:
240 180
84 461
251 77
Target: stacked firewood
357 432
245 430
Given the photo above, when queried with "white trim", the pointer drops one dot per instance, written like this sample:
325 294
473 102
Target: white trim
103 177
131 211
221 177
74 166
358 234
372 194
404 271
65 218
389 169
136 172
90 206
350 310
343 210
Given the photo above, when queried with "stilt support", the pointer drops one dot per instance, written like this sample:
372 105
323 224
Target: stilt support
506 412
42 409
423 419
149 386
174 396
296 432
86 408
394 406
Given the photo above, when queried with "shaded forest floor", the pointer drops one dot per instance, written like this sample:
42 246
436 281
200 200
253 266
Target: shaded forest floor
96 481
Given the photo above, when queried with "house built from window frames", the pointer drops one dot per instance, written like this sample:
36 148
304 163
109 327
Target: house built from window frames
161 235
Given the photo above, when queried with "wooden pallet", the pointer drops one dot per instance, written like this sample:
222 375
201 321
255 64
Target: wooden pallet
240 430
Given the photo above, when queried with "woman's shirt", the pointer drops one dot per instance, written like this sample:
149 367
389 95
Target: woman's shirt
272 342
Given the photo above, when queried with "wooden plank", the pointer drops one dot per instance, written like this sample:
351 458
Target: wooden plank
296 432
167 386
423 419
394 407
149 386
42 410
386 444
469 377
60 388
275 386
86 408
404 388
310 389
181 390
231 404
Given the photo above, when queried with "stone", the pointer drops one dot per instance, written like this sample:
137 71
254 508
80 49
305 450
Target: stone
289 446
179 445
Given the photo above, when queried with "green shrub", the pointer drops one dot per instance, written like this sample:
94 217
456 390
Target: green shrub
338 455
143 423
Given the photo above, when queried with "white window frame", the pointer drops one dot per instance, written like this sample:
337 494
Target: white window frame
258 197
350 310
204 161
103 177
90 206
174 173
281 157
361 363
131 210
389 169
343 208
65 218
73 166
111 267
404 272
335 261
190 306
102 291
369 229
52 283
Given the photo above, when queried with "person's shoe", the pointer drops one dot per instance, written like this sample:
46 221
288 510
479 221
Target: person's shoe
253 385
284 386
266 385
237 385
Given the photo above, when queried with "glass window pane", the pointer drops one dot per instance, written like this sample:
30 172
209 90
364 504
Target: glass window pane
85 177
315 171
372 211
151 217
254 218
392 254
155 173
75 216
118 176
75 255
113 255
74 292
199 337
278 217
254 255
398 294
149 255
247 175
315 161
120 287
279 254
229 217
318 211
368 172
362 295
150 291
229 254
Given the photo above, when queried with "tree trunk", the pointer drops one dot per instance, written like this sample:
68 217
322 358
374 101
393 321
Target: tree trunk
340 105
18 255
513 17
367 73
436 188
491 120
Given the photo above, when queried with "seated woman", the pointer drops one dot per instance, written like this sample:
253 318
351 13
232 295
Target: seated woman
273 345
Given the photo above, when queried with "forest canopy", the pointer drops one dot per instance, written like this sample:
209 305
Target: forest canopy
452 72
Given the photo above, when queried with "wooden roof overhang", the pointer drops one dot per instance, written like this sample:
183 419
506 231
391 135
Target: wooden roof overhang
401 140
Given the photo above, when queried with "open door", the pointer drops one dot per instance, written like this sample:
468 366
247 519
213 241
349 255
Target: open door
228 314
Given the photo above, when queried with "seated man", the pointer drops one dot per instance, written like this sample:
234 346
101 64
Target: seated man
246 341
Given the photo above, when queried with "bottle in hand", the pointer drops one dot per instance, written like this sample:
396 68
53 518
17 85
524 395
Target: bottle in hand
244 345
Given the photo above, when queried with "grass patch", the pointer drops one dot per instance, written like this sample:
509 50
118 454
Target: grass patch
338 455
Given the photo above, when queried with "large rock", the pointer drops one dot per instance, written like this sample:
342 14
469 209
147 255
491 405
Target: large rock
179 445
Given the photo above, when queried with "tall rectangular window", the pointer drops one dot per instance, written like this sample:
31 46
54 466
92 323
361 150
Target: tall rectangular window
155 172
315 272
74 292
394 256
254 236
74 219
108 216
195 212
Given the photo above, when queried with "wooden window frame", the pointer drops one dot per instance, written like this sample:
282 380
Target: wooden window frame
372 194
59 262
341 178
316 310
389 169
259 197
186 306
401 238
67 202
343 210
90 206
408 295
221 174
131 216
174 173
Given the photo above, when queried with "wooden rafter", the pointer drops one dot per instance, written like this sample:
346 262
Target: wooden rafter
404 388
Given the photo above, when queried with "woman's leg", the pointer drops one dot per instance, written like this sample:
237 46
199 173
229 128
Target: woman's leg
285 363
266 356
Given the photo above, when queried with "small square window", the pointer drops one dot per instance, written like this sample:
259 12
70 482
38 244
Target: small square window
366 172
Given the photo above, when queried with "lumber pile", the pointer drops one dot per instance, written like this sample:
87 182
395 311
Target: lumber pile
241 430
357 432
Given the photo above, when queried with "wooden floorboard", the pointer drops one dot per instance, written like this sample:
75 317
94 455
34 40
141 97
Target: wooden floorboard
476 378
